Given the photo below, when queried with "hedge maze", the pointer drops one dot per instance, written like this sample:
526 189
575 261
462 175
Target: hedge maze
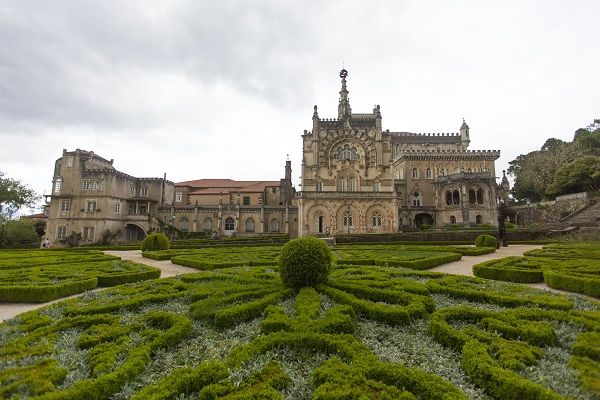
44 275
240 333
571 267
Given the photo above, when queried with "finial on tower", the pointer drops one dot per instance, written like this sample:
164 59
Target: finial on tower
344 110
343 73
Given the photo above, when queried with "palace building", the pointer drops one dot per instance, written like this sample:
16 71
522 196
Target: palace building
358 178
355 178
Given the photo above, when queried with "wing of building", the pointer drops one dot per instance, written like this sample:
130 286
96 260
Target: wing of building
356 178
359 178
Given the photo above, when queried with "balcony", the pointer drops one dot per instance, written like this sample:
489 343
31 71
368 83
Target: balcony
345 195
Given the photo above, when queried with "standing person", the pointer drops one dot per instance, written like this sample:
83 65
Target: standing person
46 243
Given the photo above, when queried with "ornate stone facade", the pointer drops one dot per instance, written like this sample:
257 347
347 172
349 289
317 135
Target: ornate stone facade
358 178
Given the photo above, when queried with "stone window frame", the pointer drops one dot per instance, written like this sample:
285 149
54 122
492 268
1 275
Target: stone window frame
65 205
118 207
57 186
452 220
89 207
416 201
144 192
246 200
178 197
229 224
88 233
61 232
377 220
250 225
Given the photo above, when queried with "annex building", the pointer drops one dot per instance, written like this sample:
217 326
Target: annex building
355 178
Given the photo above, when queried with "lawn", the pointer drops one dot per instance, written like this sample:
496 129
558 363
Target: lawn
369 332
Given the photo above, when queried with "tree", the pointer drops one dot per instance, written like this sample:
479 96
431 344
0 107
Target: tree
14 195
582 174
19 232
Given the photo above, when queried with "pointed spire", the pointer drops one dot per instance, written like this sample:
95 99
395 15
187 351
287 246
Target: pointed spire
315 113
464 125
344 110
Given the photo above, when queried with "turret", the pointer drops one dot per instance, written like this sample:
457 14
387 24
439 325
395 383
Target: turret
464 134
315 122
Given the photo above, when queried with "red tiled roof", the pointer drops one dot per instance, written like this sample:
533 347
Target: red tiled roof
36 216
216 186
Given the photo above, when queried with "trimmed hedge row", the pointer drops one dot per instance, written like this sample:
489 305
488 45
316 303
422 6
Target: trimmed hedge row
510 269
41 284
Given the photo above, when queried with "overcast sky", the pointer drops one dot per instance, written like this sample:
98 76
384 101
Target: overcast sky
224 89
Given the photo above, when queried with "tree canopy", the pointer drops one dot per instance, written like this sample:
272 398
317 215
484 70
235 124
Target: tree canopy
559 167
14 195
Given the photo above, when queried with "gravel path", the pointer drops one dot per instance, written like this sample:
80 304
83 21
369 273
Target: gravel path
461 267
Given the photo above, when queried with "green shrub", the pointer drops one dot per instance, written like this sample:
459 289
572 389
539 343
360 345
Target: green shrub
156 241
304 262
510 269
487 241
425 227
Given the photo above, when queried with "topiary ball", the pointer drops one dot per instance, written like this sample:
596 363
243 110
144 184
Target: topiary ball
487 241
156 241
304 262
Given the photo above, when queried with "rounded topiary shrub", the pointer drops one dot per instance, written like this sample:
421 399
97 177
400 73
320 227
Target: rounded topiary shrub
304 261
156 241
487 241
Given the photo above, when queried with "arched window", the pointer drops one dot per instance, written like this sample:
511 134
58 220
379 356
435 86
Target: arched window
250 225
348 221
229 224
274 225
346 152
448 198
455 198
57 184
416 199
342 185
472 196
183 224
415 173
207 224
478 219
453 220
376 186
443 172
429 173
377 220
319 186
479 196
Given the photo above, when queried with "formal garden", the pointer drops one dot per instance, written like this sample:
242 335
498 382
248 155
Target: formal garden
254 322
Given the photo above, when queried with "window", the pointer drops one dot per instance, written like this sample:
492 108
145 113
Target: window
274 225
246 200
250 225
229 224
178 197
478 219
346 152
65 205
183 224
453 220
61 232
319 186
274 190
132 190
443 172
131 209
472 196
429 176
57 185
144 192
348 219
455 198
207 224
376 186
70 161
88 233
351 184
416 199
143 209
480 196
342 185
377 220
87 184
118 207
415 173
90 205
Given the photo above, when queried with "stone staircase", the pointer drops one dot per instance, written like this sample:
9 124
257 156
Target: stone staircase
588 216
